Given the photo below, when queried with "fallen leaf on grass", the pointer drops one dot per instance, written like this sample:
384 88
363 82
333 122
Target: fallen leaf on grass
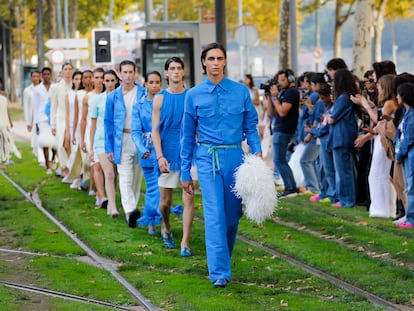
361 248
158 281
288 237
322 229
143 246
142 254
66 199
52 231
283 303
362 223
304 287
302 228
264 235
119 241
381 255
268 268
98 225
250 250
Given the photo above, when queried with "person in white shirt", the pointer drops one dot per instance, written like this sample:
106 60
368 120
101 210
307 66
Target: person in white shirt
41 98
28 114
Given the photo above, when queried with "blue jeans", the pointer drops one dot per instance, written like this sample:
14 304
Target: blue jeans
328 190
280 145
309 165
344 176
408 171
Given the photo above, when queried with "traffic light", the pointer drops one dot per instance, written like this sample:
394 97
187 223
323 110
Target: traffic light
127 27
102 47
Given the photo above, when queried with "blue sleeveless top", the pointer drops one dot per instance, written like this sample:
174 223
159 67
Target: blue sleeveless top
171 115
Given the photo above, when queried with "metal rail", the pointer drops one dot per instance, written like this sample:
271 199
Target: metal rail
66 296
98 259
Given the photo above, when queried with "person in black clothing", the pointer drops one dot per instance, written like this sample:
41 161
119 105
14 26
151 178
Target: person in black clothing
284 111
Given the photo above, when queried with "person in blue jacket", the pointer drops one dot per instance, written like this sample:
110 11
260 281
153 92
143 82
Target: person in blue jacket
404 151
218 116
167 116
119 146
141 128
343 131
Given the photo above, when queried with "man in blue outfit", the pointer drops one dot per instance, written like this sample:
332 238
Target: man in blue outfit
218 116
119 145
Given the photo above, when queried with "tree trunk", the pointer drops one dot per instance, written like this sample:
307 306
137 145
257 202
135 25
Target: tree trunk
378 28
337 31
361 52
73 18
51 18
284 31
337 40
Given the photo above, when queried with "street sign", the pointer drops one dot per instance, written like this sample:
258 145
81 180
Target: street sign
246 35
67 43
317 53
77 54
57 56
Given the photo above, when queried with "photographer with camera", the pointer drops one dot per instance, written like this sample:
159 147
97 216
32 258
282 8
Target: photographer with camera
284 111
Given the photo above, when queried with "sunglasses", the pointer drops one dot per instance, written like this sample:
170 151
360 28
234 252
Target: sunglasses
369 80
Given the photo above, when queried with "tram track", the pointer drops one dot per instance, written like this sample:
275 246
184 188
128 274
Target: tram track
96 258
321 274
56 294
374 299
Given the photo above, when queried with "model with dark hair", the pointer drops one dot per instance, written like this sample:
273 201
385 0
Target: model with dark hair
218 115
342 134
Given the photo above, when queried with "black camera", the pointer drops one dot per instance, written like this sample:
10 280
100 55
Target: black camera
267 85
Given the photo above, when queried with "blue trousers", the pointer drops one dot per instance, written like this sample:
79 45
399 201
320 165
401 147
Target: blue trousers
408 170
344 176
222 210
328 188
280 145
309 166
151 213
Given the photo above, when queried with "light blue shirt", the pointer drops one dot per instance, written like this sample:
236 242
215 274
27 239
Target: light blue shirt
97 111
217 114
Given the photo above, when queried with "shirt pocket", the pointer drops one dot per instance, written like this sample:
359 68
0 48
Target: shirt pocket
206 112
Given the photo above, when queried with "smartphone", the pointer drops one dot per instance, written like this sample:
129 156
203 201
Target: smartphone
365 93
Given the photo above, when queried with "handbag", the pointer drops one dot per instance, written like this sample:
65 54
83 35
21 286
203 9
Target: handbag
386 129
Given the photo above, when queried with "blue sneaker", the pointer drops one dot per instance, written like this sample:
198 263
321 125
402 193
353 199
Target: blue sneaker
220 283
168 239
185 252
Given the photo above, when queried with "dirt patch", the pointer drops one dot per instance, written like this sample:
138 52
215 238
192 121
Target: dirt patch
17 269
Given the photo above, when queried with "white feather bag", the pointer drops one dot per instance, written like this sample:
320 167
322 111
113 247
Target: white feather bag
255 186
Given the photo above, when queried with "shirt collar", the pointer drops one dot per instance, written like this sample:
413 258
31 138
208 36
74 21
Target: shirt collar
211 86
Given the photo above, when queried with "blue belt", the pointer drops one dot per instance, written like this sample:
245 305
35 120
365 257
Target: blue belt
212 149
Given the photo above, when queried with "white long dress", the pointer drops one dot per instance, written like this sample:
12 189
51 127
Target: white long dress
382 192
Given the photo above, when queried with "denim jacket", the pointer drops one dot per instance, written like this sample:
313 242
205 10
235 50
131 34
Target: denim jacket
115 114
404 138
343 132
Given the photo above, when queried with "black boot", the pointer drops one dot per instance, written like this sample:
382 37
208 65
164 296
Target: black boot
400 210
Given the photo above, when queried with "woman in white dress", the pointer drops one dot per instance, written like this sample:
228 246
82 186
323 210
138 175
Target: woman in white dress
382 192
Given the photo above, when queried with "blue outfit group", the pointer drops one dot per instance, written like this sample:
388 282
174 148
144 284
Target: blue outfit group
141 128
404 153
218 117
